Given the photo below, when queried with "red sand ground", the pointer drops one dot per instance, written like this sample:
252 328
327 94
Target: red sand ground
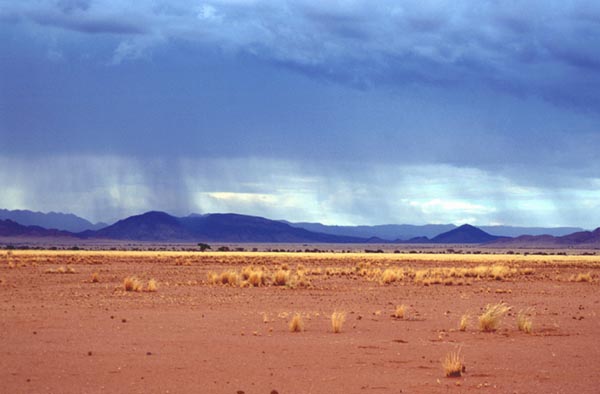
63 334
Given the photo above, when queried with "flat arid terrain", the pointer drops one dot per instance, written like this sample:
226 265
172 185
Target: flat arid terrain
240 322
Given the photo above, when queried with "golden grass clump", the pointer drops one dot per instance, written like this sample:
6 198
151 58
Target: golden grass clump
464 322
229 278
524 321
527 271
246 272
257 278
337 321
581 277
296 324
281 278
490 319
131 283
453 365
152 286
213 278
499 272
391 275
420 276
400 311
61 270
299 280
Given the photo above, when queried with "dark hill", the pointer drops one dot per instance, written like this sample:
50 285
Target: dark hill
418 240
229 227
580 238
160 226
150 226
386 232
50 220
465 234
9 228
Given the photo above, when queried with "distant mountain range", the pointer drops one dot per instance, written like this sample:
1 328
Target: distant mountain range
388 232
234 228
392 232
51 220
11 229
580 238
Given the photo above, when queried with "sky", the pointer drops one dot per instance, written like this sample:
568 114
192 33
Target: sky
340 112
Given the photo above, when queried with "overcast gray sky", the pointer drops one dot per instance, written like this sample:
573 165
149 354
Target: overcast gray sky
346 112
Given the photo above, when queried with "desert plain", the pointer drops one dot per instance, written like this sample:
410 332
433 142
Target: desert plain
242 322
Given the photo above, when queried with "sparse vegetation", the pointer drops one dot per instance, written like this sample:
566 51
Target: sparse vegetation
400 311
296 324
373 290
61 270
257 278
337 321
490 319
131 283
212 278
453 364
524 321
203 246
152 285
281 278
391 275
587 277
229 278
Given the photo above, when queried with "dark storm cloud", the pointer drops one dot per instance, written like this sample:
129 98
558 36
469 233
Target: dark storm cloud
93 26
69 6
524 48
75 15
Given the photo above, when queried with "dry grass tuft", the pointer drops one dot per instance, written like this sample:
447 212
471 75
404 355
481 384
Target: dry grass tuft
281 278
230 278
213 278
257 278
391 275
453 364
300 280
337 321
464 322
400 311
524 320
152 285
491 317
581 277
61 270
132 283
296 324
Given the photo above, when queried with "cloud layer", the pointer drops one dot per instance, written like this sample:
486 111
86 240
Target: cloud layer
538 48
275 189
361 103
